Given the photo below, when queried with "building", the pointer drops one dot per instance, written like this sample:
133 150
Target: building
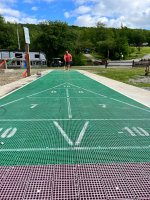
16 59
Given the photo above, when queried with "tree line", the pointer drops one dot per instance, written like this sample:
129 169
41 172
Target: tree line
54 37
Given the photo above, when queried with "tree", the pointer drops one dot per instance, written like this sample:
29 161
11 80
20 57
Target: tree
55 38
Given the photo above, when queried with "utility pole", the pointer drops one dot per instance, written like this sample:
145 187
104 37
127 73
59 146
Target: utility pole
27 56
18 37
108 54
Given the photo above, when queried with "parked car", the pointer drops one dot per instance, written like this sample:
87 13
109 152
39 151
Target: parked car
56 62
99 62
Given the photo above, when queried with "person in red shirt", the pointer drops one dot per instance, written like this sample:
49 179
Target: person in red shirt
68 60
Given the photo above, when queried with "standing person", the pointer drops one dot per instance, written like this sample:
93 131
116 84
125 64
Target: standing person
68 60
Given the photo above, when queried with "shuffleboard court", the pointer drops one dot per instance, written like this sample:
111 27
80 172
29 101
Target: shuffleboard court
67 118
68 137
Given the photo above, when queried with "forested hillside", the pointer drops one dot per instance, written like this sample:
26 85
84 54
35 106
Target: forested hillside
54 37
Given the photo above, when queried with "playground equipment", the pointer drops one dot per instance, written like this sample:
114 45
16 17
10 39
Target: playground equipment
10 60
5 62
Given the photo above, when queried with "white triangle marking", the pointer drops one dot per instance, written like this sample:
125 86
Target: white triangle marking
82 133
63 133
66 136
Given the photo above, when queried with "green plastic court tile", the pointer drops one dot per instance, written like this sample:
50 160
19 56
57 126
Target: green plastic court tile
67 118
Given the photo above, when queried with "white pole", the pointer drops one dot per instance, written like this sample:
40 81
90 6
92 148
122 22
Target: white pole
18 38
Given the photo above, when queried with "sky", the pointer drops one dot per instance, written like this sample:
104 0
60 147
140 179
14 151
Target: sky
113 13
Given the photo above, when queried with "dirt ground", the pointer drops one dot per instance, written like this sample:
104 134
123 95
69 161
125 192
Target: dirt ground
11 75
141 79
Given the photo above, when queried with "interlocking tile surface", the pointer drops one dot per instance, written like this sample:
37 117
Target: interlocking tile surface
76 182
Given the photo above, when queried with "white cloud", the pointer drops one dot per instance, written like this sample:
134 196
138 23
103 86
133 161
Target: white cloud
66 14
34 8
82 10
132 13
24 20
80 2
10 12
29 20
13 15
85 20
88 21
135 13
38 1
8 1
78 11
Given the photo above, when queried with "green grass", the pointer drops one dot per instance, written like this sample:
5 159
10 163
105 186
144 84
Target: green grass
124 75
138 54
134 53
96 55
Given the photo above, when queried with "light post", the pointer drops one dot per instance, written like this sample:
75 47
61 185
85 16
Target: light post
121 56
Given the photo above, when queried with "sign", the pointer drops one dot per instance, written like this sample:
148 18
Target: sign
26 33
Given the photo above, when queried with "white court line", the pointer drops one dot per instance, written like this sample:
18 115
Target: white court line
37 120
75 148
145 132
129 104
67 93
82 133
47 97
33 105
63 133
129 131
87 90
45 90
68 103
10 102
137 131
12 133
63 97
5 132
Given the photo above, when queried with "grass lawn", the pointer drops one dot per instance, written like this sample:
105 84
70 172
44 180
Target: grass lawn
139 54
124 75
133 55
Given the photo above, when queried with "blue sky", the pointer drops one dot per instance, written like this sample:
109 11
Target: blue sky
113 13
